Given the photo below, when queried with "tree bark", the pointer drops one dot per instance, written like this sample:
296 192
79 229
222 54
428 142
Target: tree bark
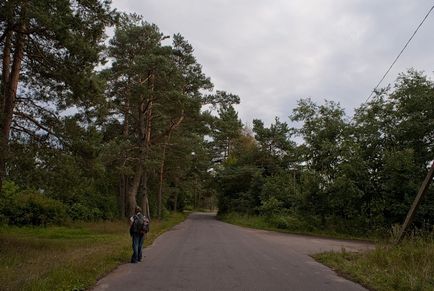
144 132
147 133
11 77
132 202
160 189
123 189
145 199
5 80
132 193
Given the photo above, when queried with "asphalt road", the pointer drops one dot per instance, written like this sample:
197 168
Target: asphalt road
203 253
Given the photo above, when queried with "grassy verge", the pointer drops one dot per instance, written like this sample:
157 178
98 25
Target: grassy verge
67 258
408 266
289 224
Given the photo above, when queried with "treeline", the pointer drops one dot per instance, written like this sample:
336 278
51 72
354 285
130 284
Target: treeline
349 174
92 127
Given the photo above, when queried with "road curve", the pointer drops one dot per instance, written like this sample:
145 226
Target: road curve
203 253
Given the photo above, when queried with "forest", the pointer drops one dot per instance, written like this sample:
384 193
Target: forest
93 125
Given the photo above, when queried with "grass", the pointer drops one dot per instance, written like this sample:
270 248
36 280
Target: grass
67 258
408 266
290 224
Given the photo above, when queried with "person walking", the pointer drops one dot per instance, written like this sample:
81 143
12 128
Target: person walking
138 227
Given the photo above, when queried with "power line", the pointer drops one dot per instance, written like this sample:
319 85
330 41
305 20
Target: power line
399 55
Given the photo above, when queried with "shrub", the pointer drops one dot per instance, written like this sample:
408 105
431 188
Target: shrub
289 222
279 221
79 211
7 200
29 207
271 207
32 208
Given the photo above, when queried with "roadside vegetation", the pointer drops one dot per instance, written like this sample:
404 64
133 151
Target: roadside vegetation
92 126
350 174
67 257
297 225
407 266
388 267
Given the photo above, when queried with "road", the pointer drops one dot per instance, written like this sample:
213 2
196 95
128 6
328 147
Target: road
203 253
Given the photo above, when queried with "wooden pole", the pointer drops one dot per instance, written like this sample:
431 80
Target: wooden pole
422 191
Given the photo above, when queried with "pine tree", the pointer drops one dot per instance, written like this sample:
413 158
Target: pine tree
49 49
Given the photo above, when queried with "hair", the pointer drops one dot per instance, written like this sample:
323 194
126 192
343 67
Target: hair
138 209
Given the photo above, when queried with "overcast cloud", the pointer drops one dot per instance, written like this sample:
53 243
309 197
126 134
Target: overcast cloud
272 53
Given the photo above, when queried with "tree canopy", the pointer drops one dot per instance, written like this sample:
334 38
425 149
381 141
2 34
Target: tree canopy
93 126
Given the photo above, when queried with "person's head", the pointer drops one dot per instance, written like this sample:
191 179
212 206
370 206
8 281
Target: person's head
138 209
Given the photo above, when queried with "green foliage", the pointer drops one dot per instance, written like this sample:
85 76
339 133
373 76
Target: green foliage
78 211
238 189
7 196
353 177
274 140
29 207
226 130
408 266
95 143
271 207
282 188
289 222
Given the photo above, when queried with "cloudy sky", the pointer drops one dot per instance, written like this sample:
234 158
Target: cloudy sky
272 53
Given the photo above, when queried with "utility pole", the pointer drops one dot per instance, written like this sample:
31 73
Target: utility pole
422 192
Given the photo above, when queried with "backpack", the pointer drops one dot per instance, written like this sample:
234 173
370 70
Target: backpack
140 224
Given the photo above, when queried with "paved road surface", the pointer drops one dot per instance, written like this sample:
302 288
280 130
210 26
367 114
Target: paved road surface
205 254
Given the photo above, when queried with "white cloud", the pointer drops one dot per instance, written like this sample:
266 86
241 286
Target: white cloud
273 53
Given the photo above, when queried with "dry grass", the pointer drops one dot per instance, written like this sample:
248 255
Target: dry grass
66 258
408 266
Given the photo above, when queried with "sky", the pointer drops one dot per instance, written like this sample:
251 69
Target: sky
273 53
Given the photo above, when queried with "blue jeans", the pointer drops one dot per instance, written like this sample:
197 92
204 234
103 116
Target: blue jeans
137 247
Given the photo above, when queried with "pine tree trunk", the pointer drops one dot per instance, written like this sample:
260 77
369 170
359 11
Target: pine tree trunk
123 188
132 202
144 131
5 80
145 200
160 190
147 133
11 76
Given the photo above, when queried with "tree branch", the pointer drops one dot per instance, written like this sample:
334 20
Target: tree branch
19 128
39 125
38 106
173 125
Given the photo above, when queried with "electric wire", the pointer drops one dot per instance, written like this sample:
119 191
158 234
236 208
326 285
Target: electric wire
399 55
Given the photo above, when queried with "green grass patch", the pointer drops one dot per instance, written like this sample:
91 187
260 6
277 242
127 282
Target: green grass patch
291 224
408 266
67 258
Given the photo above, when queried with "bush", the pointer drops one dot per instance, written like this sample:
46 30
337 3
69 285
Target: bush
289 222
279 221
29 207
32 208
82 212
271 207
9 191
